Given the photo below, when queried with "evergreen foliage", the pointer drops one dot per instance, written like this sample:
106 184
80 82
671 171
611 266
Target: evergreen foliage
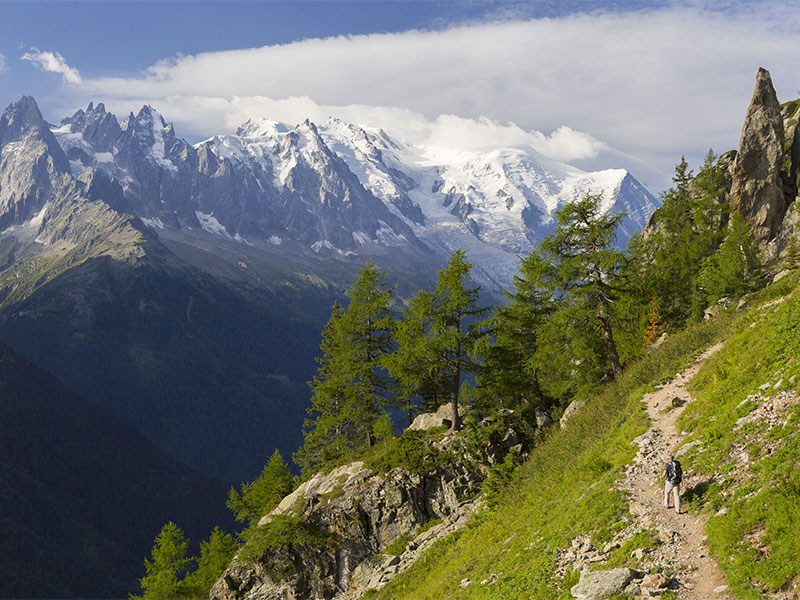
351 387
437 337
730 271
167 566
509 375
215 555
688 227
583 265
792 259
259 497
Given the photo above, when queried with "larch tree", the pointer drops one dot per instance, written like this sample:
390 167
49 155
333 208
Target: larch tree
510 370
584 263
350 389
166 567
437 336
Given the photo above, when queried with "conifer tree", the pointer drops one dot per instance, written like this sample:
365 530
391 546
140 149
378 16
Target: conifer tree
165 570
437 336
689 227
215 556
732 270
654 323
510 370
583 264
262 495
351 388
792 259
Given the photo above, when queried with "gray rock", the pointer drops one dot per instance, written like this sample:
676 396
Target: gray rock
597 585
442 417
543 418
685 448
756 188
570 411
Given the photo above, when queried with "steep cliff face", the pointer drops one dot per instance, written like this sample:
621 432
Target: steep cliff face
764 170
757 190
330 537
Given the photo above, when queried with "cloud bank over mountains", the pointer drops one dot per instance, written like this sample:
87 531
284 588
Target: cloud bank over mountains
606 87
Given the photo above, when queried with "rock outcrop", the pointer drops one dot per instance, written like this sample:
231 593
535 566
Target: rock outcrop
757 188
363 526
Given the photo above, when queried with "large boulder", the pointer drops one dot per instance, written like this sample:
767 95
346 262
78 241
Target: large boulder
570 411
757 187
442 417
598 585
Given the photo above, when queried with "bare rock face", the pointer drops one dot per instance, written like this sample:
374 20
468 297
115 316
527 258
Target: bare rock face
369 526
757 187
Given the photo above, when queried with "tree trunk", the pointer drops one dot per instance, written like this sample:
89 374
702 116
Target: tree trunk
542 402
608 337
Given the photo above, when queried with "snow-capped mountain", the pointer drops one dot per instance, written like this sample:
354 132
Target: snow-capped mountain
341 190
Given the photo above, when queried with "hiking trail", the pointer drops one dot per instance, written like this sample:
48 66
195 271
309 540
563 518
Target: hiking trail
684 547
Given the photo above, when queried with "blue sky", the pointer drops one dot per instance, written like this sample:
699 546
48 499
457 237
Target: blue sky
595 83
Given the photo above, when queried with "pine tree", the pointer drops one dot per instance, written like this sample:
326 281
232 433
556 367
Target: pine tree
733 269
583 264
165 570
690 226
262 495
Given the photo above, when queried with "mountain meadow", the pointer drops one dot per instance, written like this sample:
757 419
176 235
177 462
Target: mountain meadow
303 362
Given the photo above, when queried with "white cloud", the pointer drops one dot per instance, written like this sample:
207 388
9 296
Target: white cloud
53 62
651 84
3 65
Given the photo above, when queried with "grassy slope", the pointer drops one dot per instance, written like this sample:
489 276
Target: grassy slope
756 538
565 489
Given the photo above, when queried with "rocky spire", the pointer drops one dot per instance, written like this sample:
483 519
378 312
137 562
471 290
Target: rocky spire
756 187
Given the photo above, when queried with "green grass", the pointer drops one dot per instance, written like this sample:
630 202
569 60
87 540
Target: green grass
565 489
756 538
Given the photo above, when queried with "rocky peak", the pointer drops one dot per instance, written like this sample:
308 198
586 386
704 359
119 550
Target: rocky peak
756 187
145 126
21 118
97 127
33 164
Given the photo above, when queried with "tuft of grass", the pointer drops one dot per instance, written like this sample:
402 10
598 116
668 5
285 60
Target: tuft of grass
397 547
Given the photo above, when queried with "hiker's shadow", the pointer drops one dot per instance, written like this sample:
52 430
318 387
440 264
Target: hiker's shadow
696 493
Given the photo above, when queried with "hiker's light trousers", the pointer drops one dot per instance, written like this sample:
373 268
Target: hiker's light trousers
675 488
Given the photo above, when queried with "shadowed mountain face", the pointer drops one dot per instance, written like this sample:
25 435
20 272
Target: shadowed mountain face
82 494
206 353
184 287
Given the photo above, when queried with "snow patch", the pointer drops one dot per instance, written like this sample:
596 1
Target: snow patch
211 225
154 223
326 244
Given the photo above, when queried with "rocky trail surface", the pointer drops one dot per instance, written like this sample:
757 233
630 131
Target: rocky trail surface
683 551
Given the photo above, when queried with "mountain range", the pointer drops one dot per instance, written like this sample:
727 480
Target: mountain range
181 289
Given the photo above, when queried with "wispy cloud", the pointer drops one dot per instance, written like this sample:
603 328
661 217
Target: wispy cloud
654 84
3 65
53 62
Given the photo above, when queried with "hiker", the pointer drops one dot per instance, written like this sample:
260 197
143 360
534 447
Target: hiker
674 475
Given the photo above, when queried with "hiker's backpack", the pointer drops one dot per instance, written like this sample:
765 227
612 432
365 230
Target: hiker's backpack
674 472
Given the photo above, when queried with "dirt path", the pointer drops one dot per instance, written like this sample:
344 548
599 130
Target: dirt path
684 548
